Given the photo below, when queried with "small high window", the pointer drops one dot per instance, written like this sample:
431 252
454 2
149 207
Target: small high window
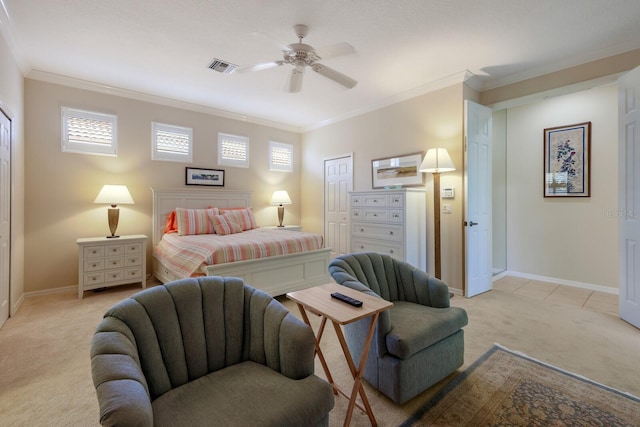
89 132
280 157
233 150
171 143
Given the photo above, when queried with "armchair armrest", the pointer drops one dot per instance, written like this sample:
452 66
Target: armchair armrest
430 290
121 387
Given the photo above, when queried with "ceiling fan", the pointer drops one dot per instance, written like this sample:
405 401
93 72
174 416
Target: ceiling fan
301 55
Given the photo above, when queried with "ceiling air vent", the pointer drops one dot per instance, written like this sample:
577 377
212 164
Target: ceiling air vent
222 66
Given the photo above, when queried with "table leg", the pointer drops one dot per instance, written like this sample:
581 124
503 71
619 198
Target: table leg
358 388
318 337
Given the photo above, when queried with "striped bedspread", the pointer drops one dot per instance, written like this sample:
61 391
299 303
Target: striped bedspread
184 255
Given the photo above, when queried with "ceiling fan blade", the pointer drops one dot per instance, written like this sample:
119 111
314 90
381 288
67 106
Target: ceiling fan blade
295 80
334 50
334 75
259 66
282 46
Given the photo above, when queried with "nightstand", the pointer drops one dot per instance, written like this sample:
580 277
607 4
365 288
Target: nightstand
286 227
105 262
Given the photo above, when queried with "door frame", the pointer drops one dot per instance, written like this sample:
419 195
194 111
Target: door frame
4 109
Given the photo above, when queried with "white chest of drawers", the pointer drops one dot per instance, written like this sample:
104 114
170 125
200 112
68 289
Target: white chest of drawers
104 262
391 222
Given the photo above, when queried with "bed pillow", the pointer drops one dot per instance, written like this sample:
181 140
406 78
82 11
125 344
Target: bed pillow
243 216
224 224
171 226
195 221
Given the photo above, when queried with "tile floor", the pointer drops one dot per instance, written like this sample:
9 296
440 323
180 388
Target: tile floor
583 298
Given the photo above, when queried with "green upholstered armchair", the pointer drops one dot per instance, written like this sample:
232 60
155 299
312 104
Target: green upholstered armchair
419 341
206 351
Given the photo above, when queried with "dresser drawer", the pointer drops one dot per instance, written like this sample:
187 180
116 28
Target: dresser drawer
368 214
396 216
386 232
362 245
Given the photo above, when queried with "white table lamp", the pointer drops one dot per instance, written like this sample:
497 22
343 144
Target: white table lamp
280 198
114 195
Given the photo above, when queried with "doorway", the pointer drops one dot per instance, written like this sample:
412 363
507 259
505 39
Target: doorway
5 214
338 182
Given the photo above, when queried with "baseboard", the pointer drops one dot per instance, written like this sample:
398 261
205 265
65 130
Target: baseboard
51 291
589 286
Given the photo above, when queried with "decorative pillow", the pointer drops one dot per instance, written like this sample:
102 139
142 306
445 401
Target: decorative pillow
195 221
172 225
224 224
243 216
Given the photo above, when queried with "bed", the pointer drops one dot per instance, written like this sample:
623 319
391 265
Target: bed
275 274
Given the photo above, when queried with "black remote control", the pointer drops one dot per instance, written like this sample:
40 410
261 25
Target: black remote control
352 301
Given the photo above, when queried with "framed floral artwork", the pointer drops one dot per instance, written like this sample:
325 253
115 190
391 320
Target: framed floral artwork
567 160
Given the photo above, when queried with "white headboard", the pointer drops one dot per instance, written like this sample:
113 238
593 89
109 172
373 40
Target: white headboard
167 199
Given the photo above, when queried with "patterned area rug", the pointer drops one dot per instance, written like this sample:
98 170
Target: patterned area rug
505 388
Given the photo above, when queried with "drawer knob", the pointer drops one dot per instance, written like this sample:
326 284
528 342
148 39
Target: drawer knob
94 252
391 233
356 214
93 265
391 251
375 214
361 246
362 230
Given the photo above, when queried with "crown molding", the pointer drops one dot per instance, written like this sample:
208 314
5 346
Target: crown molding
442 83
154 99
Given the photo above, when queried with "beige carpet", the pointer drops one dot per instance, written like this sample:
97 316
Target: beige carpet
45 375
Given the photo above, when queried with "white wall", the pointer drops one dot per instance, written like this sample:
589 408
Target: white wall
572 239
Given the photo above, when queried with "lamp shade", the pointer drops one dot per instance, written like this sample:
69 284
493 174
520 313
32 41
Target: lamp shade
437 160
114 195
280 197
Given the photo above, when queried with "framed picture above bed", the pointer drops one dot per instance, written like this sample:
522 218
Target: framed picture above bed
210 177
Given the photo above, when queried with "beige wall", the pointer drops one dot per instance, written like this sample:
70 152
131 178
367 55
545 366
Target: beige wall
12 102
428 121
575 239
60 187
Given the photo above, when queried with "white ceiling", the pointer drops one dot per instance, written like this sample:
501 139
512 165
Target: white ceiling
403 47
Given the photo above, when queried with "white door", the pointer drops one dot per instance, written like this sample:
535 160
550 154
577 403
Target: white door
338 176
477 185
5 215
629 195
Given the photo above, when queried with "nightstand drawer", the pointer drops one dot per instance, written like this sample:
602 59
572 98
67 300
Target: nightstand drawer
94 278
133 248
113 275
112 250
133 260
117 262
94 251
94 265
133 273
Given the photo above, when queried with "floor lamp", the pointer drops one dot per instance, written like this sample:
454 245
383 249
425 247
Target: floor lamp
437 161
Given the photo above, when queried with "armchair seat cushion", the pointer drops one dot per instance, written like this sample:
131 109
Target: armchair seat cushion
241 389
409 336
